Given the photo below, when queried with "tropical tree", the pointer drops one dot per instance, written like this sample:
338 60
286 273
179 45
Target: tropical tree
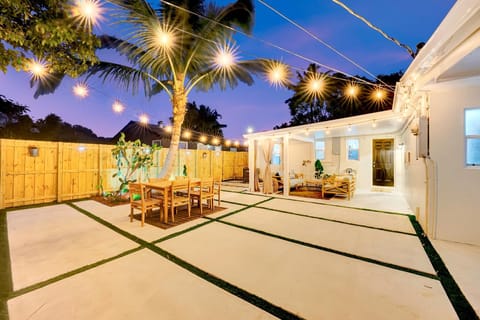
177 47
320 96
48 31
203 119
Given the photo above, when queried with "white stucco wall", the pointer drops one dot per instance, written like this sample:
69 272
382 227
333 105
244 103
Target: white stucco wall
458 195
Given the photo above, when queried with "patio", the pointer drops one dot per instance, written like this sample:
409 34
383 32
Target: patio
263 257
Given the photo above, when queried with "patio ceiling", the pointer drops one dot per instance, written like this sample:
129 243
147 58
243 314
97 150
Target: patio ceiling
385 122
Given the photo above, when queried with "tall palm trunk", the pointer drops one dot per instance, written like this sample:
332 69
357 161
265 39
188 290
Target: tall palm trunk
179 103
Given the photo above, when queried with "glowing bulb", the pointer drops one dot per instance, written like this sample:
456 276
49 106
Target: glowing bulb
37 69
80 90
245 143
351 90
379 94
237 143
278 73
117 106
249 130
215 141
228 143
87 12
203 139
316 85
168 129
187 134
143 118
225 57
164 39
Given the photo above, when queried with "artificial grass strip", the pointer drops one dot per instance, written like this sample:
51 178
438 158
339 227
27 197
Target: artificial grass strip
330 250
6 283
337 221
238 292
71 273
459 302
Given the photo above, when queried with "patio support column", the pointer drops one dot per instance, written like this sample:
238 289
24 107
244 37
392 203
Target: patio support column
252 159
286 165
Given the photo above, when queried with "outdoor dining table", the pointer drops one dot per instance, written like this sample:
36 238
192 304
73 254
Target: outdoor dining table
164 187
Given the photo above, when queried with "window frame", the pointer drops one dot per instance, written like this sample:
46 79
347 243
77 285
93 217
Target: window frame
348 149
315 146
468 137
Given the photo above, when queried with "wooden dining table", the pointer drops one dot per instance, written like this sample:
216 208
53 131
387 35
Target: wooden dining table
164 186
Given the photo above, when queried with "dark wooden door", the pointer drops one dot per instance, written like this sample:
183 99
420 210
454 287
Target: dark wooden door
383 162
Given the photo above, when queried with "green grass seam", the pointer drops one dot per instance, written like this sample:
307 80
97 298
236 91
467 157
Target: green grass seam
347 207
71 273
459 302
176 234
6 283
338 221
238 292
334 251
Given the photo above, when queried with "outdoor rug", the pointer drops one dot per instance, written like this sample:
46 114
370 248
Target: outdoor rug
180 217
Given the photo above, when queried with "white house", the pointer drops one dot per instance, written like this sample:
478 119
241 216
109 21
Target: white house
427 147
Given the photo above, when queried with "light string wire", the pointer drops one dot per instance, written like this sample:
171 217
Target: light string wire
320 40
270 44
371 25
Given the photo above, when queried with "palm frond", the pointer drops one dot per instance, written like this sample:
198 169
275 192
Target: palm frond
128 77
47 84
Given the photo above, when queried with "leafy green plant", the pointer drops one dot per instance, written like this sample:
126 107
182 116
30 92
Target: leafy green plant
131 156
318 168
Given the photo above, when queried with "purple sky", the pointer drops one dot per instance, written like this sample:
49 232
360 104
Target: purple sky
260 106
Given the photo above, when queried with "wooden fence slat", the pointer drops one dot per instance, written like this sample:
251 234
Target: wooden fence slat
65 171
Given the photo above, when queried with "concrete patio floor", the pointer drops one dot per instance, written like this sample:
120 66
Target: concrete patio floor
263 257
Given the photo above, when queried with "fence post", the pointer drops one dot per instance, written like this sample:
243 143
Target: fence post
2 174
59 171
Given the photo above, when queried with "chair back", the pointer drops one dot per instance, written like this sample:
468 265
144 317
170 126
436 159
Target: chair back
207 185
180 187
136 189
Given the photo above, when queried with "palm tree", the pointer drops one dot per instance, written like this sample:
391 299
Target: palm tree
175 49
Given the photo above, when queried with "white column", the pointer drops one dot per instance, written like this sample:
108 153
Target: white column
252 150
286 166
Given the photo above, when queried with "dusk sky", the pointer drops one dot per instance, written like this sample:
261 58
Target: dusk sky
260 106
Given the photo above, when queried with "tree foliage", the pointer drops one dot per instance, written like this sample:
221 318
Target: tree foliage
332 102
15 123
203 119
43 29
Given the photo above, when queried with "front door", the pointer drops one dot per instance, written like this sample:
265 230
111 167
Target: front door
383 162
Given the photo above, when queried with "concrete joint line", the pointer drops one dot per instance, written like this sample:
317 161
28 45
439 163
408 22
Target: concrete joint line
334 251
459 302
337 221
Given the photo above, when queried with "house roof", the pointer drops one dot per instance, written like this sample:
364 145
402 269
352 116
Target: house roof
451 56
384 122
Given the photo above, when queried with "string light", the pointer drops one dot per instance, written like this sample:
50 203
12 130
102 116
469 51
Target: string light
351 90
378 94
37 69
143 118
249 130
80 90
203 139
225 57
168 129
278 73
215 141
187 134
87 12
237 143
117 106
228 143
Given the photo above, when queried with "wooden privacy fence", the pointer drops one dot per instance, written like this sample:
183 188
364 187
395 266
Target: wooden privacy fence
33 172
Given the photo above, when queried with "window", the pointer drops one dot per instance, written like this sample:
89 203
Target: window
352 149
320 149
472 137
277 149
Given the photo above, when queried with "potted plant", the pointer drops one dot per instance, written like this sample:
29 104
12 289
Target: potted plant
318 169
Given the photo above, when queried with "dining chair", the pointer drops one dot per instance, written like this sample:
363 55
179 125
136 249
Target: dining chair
205 191
140 199
217 186
179 196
